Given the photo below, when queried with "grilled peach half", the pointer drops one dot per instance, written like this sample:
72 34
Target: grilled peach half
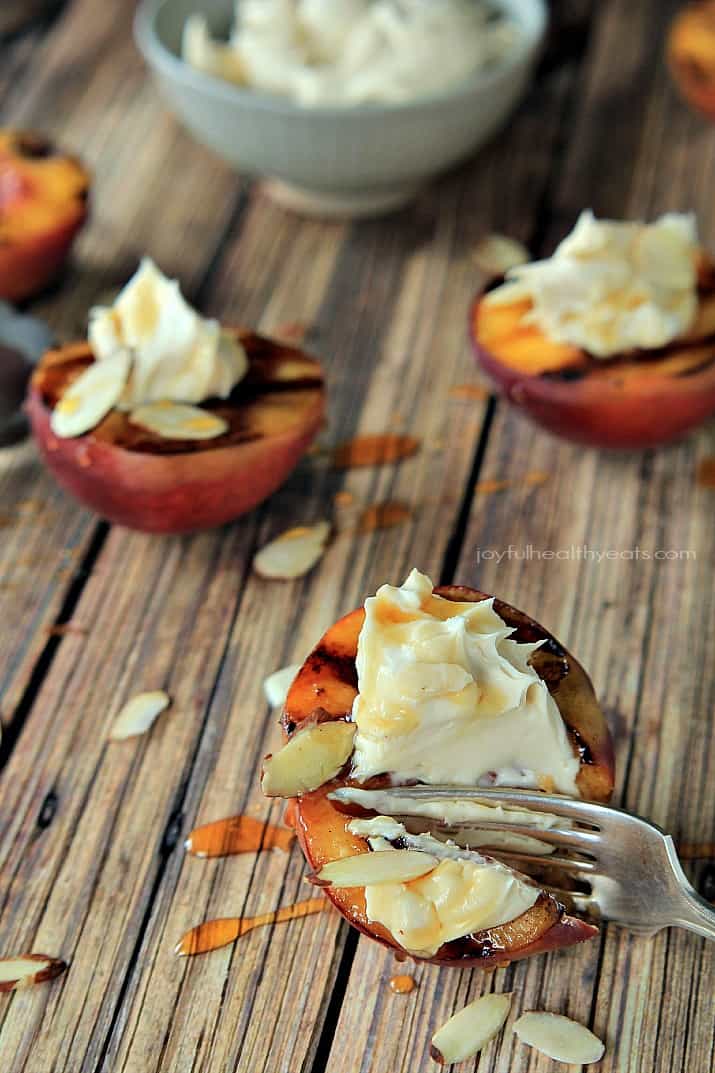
139 479
632 400
325 688
691 55
43 204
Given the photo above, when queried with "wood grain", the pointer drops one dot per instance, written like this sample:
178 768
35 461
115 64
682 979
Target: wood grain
640 625
91 864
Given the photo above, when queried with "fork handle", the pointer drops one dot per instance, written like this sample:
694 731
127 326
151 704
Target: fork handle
696 915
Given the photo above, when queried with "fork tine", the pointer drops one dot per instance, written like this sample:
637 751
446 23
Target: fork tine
570 865
558 805
577 840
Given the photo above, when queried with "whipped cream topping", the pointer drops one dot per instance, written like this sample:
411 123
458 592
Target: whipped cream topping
177 355
445 696
465 893
611 286
352 51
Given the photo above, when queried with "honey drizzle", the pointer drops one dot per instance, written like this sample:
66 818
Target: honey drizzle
237 834
402 984
383 516
213 934
696 851
706 473
374 450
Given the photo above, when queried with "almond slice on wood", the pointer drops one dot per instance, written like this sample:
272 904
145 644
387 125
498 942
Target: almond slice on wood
494 255
138 715
381 866
25 970
178 421
312 757
92 395
559 1037
293 553
276 685
465 1034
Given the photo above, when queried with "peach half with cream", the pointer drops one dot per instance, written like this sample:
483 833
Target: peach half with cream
430 687
166 421
611 341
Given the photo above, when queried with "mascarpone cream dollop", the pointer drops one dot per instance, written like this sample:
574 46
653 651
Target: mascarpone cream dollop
464 894
446 696
177 355
613 286
349 52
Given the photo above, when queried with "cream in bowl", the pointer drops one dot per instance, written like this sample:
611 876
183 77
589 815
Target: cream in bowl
348 52
341 122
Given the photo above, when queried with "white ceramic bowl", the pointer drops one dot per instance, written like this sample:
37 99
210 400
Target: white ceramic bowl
358 160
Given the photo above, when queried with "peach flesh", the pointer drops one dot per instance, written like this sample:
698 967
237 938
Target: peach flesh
325 688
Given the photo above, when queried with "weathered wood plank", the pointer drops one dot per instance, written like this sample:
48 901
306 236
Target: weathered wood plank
109 114
641 626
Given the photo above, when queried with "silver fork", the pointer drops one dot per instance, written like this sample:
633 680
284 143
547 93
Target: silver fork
630 865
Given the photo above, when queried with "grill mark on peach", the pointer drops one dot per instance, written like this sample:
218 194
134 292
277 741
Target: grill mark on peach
341 666
263 405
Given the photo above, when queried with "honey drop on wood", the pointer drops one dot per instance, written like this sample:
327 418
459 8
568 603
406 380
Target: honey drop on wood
237 834
213 934
402 984
706 473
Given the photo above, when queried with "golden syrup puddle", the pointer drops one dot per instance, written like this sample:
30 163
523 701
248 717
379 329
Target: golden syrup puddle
402 984
374 450
531 479
237 834
696 851
383 516
469 391
216 933
706 473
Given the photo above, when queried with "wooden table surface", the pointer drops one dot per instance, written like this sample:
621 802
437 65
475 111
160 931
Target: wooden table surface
92 866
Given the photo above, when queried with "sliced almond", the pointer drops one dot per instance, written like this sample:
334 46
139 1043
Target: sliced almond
25 970
138 715
312 757
91 396
276 685
178 421
293 553
465 1034
559 1038
369 869
494 255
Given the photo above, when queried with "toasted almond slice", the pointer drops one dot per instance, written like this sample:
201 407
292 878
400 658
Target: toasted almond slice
25 970
381 866
91 396
138 715
312 757
465 1034
293 553
178 421
276 685
559 1037
496 254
